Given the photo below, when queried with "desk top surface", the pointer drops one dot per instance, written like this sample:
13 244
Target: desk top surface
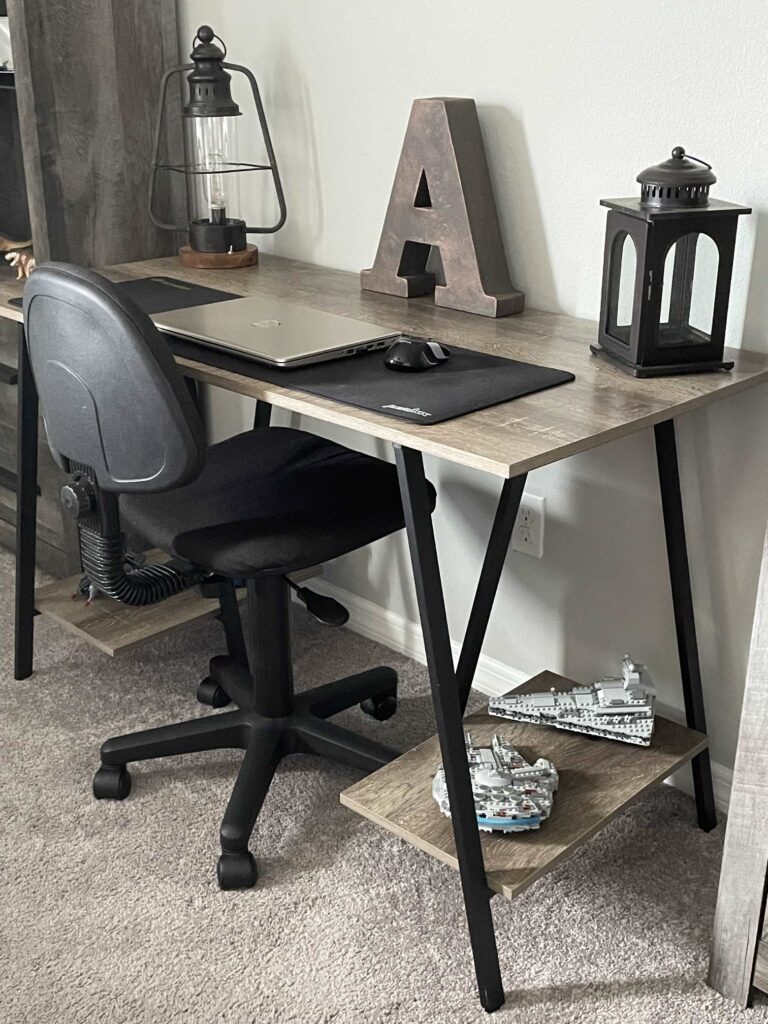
601 405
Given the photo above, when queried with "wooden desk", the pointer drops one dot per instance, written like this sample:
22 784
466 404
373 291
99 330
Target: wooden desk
507 441
601 405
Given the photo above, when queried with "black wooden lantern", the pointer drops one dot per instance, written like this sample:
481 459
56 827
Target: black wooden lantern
667 272
213 170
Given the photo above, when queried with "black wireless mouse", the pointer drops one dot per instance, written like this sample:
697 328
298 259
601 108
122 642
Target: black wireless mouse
408 354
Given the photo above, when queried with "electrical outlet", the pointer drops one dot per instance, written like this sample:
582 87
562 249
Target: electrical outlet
528 534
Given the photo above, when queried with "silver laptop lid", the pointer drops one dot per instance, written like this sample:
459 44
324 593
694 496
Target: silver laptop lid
273 331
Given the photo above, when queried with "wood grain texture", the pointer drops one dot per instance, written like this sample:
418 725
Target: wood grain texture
87 80
598 779
14 216
10 288
190 257
760 979
116 628
443 150
740 897
87 76
601 405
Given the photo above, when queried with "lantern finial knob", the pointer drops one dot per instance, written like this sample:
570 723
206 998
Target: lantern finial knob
678 152
205 34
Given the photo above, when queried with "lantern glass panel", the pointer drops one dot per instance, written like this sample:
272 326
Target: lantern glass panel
688 295
623 273
212 147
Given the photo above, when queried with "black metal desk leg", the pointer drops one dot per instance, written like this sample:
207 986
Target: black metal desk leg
262 415
687 646
488 584
448 713
26 516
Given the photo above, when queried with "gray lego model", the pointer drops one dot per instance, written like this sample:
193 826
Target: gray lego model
510 794
616 708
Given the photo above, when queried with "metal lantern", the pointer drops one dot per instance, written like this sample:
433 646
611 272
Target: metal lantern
667 272
213 170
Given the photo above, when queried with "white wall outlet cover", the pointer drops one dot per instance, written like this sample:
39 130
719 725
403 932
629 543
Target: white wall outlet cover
528 534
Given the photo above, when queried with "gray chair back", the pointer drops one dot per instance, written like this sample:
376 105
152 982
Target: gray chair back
111 394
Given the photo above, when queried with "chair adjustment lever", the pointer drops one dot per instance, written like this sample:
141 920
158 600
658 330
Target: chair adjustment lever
325 609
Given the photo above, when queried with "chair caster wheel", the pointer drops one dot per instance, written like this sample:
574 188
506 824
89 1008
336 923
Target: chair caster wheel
380 708
209 692
112 782
236 870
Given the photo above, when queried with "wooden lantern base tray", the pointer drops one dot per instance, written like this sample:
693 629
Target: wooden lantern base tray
190 257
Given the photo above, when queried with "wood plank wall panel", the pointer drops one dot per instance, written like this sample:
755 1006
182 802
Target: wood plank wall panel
87 77
14 217
739 913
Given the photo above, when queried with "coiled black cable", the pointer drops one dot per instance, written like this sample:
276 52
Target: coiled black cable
103 560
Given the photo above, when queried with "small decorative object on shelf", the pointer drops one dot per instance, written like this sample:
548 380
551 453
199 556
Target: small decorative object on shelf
22 262
667 272
614 708
510 794
442 199
217 235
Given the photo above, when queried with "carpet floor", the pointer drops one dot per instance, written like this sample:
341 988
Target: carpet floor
110 912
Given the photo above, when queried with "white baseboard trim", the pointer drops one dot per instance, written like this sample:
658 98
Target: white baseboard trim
492 678
404 636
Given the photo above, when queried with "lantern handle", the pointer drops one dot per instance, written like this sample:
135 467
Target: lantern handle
270 151
164 225
678 153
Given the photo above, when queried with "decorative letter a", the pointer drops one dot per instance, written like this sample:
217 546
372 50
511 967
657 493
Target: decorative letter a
442 197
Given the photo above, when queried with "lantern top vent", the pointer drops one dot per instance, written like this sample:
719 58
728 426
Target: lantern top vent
680 181
210 90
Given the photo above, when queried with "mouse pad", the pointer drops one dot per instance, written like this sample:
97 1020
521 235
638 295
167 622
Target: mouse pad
468 381
163 294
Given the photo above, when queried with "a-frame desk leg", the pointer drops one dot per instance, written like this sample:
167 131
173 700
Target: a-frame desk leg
26 516
685 626
449 714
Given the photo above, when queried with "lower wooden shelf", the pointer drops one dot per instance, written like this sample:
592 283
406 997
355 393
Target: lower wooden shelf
760 979
598 779
117 628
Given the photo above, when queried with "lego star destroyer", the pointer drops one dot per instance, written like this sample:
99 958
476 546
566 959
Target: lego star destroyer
615 708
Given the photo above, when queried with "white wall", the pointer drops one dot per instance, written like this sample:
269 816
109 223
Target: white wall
574 98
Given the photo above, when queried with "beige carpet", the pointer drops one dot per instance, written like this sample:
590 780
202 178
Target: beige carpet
111 913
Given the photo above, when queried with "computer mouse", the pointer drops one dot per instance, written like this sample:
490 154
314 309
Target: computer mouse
408 354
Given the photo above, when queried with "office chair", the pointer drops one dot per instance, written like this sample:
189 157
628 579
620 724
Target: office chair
258 506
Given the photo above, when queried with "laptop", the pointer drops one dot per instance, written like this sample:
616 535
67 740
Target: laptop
274 331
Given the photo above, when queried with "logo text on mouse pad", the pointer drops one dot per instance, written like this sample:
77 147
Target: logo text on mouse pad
402 408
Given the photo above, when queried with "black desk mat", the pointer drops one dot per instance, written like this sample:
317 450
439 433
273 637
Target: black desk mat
469 381
162 294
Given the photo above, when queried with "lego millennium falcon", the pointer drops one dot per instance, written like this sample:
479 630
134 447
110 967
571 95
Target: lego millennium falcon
510 794
615 708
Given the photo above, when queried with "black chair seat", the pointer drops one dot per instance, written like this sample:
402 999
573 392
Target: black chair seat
271 501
